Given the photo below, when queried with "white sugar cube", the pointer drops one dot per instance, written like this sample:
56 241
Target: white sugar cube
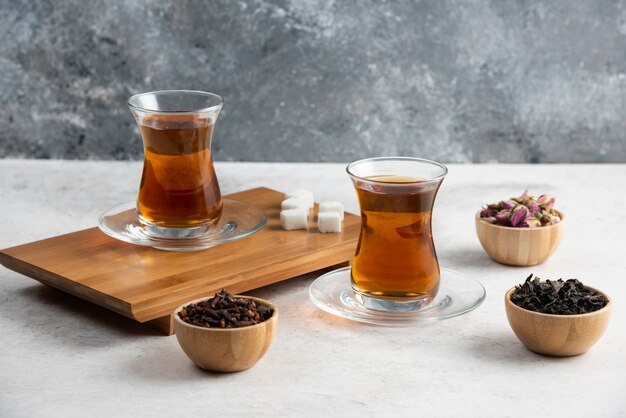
293 219
293 203
302 194
332 207
329 222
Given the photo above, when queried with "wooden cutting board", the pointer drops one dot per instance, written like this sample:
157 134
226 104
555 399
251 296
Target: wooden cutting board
146 285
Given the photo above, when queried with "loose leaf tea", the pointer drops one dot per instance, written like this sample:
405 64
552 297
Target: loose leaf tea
558 297
225 311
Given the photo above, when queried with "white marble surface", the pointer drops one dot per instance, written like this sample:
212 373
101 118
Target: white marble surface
60 356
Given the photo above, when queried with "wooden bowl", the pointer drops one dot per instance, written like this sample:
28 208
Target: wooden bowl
519 246
226 349
557 335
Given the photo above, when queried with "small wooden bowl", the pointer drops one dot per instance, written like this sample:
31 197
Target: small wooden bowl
226 349
557 335
519 246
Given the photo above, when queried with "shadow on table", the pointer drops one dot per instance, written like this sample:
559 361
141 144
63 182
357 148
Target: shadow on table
505 348
77 325
72 319
170 364
163 363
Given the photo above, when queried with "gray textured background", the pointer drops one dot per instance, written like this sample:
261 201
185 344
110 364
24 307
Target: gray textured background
307 80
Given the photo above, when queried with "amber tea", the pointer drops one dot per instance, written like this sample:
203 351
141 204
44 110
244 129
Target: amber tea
179 188
395 255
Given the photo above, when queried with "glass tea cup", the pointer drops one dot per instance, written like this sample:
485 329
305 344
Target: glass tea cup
179 195
395 267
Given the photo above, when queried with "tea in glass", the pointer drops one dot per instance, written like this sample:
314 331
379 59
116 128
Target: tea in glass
395 257
179 187
179 190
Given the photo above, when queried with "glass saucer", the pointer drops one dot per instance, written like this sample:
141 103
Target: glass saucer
238 220
458 294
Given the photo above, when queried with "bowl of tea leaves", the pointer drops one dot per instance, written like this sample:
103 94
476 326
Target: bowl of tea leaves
557 317
520 231
226 333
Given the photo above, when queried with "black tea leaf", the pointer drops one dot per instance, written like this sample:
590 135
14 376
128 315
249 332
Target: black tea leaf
558 297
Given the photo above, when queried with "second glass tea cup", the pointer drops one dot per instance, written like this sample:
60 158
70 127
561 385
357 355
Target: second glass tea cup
395 267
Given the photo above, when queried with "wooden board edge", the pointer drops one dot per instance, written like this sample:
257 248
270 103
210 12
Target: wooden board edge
162 324
73 288
165 324
284 270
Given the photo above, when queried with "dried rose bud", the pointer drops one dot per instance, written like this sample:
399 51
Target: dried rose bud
546 201
521 199
543 199
533 222
486 213
522 212
534 207
553 219
507 204
503 217
519 214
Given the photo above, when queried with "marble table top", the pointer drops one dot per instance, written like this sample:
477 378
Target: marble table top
60 356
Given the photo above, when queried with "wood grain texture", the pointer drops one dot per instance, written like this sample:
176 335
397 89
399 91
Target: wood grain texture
519 246
226 350
557 335
147 284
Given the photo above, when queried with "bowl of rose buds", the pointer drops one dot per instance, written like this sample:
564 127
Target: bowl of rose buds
520 231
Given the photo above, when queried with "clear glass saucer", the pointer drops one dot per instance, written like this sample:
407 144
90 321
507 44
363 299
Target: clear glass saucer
238 220
458 294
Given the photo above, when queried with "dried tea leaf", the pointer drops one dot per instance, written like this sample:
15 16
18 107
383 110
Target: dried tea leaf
558 297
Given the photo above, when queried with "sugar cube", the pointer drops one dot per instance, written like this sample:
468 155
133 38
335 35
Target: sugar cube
293 203
328 222
291 219
302 194
332 207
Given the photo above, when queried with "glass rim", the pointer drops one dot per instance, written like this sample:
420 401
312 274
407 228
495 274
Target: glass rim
218 105
444 169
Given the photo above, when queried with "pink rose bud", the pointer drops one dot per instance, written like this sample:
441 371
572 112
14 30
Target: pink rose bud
507 204
502 218
486 213
546 201
533 222
520 213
